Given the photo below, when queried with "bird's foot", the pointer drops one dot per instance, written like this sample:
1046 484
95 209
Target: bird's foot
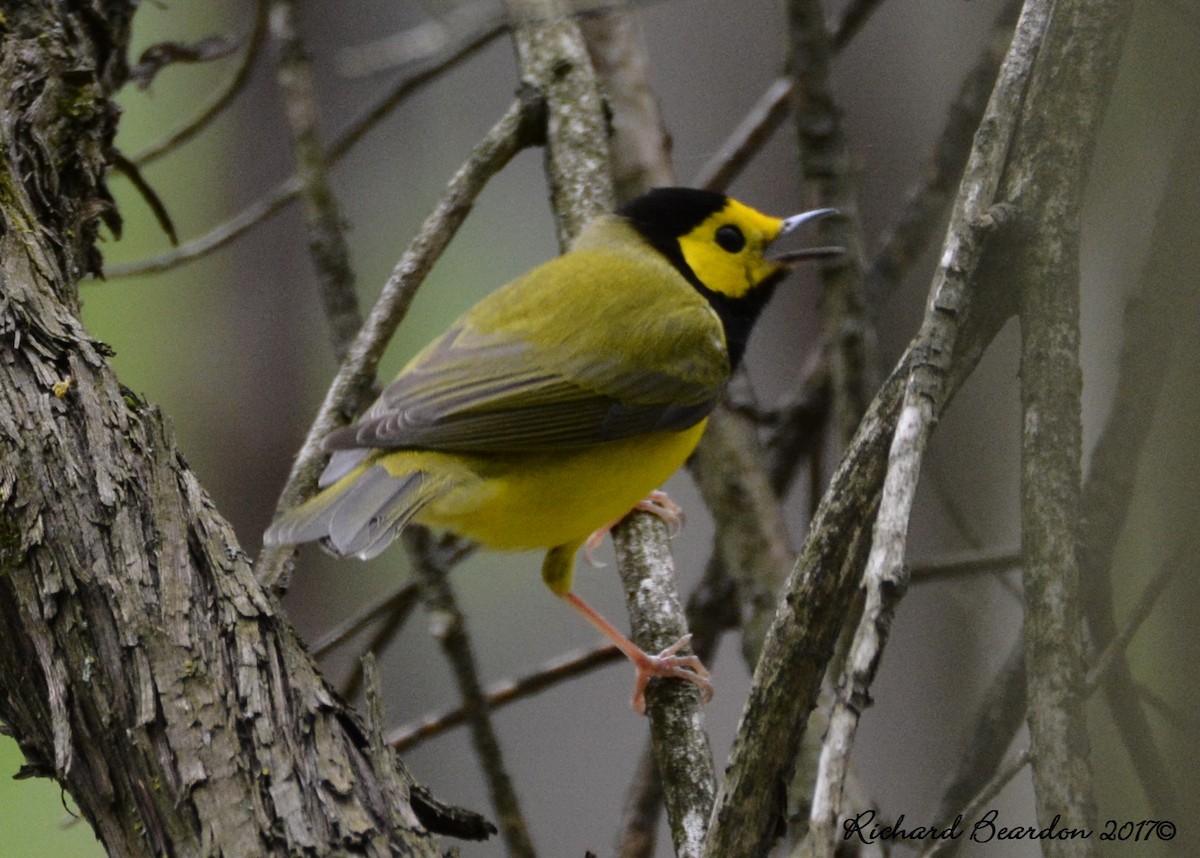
656 503
667 664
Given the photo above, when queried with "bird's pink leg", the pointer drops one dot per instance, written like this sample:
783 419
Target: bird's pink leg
666 664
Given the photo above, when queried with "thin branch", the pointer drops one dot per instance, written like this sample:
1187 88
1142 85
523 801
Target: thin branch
886 577
639 143
290 188
926 392
1114 652
450 628
819 591
794 431
712 609
548 675
553 58
969 566
752 539
223 97
748 138
431 38
926 204
1112 655
984 797
391 626
769 111
854 18
326 234
400 601
682 754
643 806
825 164
1150 343
998 718
515 130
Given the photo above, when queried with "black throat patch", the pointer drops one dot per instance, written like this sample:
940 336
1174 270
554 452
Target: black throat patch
661 217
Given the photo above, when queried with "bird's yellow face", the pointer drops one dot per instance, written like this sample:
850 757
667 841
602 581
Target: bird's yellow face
726 252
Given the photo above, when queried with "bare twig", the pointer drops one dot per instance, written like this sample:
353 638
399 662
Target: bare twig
924 210
289 188
752 540
639 142
401 601
854 16
431 38
391 626
999 716
794 432
450 628
567 666
643 804
326 235
769 111
553 58
1115 650
825 164
886 577
819 590
220 100
973 564
516 129
1150 343
1112 655
747 138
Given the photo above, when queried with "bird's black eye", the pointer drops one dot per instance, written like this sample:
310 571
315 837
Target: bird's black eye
730 238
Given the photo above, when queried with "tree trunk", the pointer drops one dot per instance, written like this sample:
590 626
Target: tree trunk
140 663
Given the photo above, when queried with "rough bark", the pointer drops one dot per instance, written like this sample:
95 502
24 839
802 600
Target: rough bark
141 665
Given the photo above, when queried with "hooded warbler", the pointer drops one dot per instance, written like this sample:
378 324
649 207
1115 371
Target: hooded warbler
553 406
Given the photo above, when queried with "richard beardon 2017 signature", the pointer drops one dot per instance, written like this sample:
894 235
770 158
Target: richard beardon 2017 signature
988 828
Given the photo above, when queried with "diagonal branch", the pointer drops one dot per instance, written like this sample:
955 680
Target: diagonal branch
290 188
516 129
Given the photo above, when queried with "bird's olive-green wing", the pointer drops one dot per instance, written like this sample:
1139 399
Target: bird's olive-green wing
591 347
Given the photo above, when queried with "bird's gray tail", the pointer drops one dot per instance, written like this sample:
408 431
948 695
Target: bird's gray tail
359 514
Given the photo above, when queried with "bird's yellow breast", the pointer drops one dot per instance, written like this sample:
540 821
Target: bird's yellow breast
544 500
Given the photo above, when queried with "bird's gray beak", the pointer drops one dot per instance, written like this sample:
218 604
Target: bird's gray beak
793 223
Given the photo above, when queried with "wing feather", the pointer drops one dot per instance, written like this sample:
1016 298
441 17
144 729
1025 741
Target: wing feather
551 362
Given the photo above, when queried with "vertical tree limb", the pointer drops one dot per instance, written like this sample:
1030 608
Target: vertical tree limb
1066 101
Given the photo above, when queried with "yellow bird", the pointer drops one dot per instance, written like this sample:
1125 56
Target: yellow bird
552 407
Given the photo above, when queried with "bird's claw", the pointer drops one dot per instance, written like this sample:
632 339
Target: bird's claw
668 665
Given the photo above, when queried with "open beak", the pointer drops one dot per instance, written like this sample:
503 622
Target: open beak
793 223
